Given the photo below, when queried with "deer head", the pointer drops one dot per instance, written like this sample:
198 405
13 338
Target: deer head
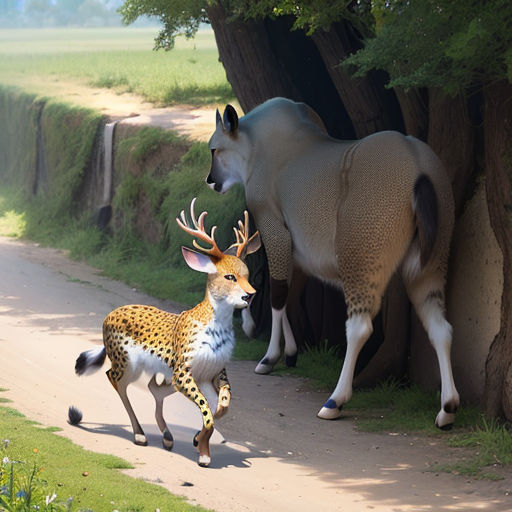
228 275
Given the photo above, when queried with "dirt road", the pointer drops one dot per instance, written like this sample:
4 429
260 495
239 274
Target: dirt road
269 454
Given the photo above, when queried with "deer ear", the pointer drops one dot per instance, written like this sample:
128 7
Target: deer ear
230 120
254 243
199 261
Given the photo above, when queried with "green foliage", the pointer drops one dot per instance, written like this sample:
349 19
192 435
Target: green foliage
40 469
75 130
18 116
179 17
310 15
439 43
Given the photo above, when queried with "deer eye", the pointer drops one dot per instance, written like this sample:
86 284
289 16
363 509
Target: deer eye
230 277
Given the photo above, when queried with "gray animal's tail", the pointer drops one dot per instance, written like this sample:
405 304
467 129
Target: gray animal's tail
90 361
425 207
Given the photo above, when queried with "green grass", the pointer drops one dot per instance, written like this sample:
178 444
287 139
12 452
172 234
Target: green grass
47 464
491 443
118 58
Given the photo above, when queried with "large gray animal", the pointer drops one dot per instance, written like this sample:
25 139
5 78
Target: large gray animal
347 212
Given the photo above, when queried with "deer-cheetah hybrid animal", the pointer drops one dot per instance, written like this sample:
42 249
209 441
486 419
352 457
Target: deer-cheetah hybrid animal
188 351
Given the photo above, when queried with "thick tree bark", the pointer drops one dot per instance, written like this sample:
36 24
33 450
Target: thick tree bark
250 63
370 106
498 164
414 106
264 59
451 136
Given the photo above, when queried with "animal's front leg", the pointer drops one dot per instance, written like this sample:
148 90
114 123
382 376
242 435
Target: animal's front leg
202 443
183 382
278 245
223 388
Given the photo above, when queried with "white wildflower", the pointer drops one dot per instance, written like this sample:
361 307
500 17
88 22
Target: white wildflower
49 499
5 460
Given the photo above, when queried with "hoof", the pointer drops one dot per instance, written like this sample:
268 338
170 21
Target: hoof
167 440
265 366
195 442
140 440
204 461
330 411
445 420
291 361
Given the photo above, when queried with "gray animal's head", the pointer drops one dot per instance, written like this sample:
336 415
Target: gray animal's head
273 131
229 150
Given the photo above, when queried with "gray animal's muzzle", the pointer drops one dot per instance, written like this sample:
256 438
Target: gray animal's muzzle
213 179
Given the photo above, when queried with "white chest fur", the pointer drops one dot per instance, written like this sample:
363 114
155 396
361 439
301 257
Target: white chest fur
213 347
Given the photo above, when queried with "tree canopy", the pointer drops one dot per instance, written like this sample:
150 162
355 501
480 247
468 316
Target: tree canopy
439 43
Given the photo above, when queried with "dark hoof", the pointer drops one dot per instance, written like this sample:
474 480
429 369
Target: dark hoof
195 442
445 427
167 440
291 361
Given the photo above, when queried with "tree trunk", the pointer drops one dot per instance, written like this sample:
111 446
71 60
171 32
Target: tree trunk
498 164
370 106
451 136
414 105
249 60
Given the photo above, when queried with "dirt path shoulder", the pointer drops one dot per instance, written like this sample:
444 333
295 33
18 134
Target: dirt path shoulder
269 453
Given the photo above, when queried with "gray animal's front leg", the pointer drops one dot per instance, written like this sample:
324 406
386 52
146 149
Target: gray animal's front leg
277 241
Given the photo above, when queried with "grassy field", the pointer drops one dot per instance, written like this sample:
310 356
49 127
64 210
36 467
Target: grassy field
119 58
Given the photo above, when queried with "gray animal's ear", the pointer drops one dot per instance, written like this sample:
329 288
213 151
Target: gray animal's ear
218 120
254 243
230 120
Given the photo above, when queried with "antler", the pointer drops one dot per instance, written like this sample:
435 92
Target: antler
199 231
242 236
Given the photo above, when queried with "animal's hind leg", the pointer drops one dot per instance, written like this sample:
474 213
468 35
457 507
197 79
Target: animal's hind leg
120 386
159 392
359 328
428 301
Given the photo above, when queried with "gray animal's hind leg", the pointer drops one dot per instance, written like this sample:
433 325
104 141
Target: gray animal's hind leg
160 392
428 299
359 328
